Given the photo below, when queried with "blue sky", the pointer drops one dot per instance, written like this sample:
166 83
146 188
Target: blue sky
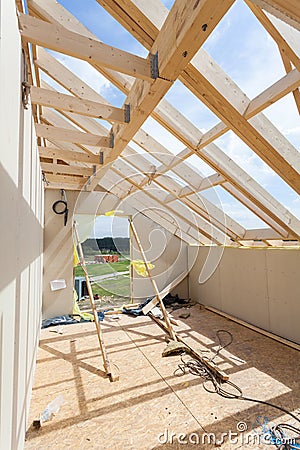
111 226
244 50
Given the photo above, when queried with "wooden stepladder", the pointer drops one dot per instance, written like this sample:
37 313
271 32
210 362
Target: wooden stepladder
106 363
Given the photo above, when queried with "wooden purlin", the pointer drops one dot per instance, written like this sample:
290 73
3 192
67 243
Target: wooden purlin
68 155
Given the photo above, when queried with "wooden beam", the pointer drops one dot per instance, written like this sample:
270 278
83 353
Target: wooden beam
261 234
65 169
288 68
65 180
176 44
66 135
271 95
57 38
76 105
206 183
68 155
268 144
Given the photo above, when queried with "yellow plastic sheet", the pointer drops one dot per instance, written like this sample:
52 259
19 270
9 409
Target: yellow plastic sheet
76 259
77 312
140 267
113 213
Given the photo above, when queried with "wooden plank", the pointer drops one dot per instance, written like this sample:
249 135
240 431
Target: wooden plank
66 135
62 168
64 185
205 183
68 155
106 362
57 38
194 352
262 234
272 94
283 160
254 328
76 105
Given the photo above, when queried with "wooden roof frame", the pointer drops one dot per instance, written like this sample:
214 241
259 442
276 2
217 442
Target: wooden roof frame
77 152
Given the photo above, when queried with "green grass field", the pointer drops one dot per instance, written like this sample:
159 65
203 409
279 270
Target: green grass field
117 287
95 270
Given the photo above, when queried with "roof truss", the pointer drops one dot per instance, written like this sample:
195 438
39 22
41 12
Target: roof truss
78 152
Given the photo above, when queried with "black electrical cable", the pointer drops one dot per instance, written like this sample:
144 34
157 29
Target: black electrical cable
198 368
56 208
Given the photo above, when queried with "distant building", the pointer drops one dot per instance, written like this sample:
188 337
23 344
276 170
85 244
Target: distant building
106 258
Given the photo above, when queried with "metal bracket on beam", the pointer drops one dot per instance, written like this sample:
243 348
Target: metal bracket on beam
94 169
154 65
25 85
111 140
101 158
127 113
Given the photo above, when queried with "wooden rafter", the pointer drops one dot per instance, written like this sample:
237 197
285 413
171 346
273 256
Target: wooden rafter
285 85
176 44
133 171
85 107
283 222
55 37
262 205
65 135
68 155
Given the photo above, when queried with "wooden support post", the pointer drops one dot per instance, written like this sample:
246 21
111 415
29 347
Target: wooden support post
162 306
106 362
131 258
194 352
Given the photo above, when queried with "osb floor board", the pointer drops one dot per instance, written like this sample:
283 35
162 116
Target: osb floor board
150 401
